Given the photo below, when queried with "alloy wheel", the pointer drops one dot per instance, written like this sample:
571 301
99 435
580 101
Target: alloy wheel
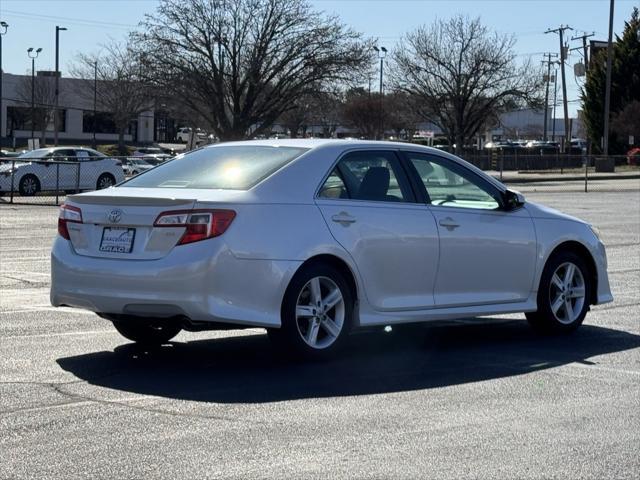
320 312
567 293
29 186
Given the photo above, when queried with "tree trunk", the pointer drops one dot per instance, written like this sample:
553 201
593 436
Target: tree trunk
122 149
459 144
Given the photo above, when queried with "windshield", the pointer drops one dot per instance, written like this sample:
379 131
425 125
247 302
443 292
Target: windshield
224 167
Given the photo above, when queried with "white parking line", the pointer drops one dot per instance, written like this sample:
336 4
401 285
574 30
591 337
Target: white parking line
61 334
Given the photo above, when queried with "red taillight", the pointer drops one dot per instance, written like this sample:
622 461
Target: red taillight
199 224
68 214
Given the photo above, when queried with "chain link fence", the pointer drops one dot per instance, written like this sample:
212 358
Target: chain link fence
46 181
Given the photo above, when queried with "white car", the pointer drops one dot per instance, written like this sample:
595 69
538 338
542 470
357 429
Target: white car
59 168
152 155
313 238
184 132
135 165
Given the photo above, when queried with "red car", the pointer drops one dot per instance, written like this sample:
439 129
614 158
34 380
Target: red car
633 156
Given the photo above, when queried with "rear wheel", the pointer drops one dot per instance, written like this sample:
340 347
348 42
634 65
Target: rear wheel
317 313
147 332
29 185
563 294
105 180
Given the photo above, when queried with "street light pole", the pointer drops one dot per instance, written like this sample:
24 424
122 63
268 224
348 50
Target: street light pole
33 55
56 126
3 30
382 53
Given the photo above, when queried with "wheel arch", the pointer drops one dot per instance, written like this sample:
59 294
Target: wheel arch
582 251
343 267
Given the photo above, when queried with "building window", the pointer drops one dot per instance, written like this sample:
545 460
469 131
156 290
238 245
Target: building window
105 123
20 118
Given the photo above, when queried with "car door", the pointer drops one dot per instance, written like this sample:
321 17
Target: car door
66 169
370 209
487 253
89 169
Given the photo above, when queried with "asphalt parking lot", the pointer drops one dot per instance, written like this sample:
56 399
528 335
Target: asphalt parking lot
481 398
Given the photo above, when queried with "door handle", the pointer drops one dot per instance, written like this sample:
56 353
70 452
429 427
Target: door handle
449 223
343 218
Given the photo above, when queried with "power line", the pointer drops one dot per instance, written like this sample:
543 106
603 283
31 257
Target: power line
80 21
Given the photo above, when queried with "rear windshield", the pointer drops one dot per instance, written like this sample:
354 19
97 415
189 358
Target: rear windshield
224 167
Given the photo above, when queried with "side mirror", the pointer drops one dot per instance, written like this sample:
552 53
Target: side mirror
513 200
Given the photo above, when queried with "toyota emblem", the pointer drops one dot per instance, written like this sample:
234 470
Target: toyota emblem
115 216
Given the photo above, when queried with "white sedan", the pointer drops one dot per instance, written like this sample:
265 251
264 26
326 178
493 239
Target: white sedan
314 238
59 168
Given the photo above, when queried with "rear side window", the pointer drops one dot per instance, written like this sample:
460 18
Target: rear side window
367 175
224 167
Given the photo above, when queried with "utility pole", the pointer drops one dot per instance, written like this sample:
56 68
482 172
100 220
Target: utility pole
546 95
585 50
555 101
607 93
560 31
95 102
3 30
56 126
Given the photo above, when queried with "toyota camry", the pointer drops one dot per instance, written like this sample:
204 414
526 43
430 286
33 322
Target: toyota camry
312 239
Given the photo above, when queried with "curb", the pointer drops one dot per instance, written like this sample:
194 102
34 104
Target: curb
565 178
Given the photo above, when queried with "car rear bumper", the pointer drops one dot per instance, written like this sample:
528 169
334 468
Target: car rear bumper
202 281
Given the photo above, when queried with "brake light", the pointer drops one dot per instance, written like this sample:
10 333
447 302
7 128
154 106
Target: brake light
68 214
199 224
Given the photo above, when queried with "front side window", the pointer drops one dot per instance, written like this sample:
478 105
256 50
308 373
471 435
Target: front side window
449 186
366 175
224 167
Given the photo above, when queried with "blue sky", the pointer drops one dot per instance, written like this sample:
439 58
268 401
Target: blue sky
92 22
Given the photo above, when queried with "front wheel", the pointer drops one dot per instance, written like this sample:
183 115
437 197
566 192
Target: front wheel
317 313
147 332
563 294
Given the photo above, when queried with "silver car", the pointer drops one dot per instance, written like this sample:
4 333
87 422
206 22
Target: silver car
311 239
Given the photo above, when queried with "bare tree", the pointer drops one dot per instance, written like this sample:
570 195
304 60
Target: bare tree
297 118
401 114
242 63
326 112
463 73
120 91
362 112
43 99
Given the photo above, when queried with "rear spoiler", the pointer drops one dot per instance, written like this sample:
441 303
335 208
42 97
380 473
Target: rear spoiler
133 201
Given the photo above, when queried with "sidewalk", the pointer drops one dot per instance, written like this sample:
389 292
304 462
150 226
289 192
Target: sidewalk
573 176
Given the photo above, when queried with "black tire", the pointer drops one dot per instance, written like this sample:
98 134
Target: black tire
29 185
105 180
290 338
545 320
147 332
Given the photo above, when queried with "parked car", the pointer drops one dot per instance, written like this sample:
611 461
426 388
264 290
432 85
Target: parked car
311 239
134 165
184 132
60 168
152 155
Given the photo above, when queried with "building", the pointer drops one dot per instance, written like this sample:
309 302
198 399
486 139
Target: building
75 114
